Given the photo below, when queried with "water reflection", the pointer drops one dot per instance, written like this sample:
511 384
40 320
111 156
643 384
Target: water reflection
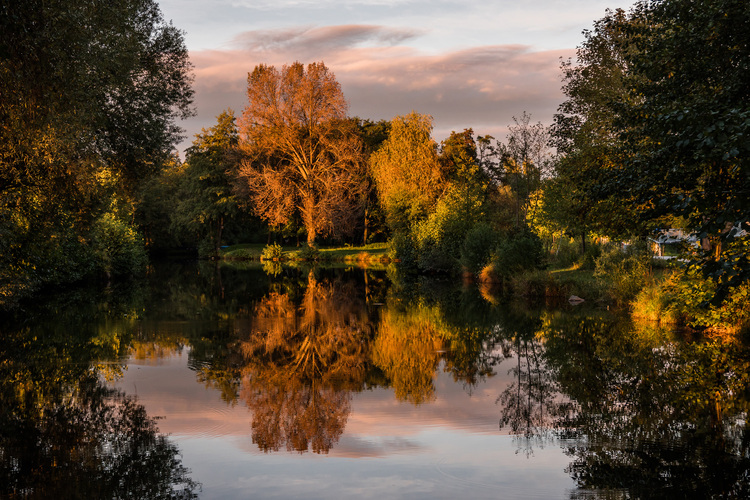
301 360
640 412
63 432
657 416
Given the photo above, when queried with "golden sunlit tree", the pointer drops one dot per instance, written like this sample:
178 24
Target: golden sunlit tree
406 170
301 361
303 158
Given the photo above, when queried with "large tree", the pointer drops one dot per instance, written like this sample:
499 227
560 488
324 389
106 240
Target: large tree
656 127
407 173
87 112
687 124
303 157
206 198
525 160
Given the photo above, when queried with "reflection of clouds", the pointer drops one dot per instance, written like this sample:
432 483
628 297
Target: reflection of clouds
361 447
480 87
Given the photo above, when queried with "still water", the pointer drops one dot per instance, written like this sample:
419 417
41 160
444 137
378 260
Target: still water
222 382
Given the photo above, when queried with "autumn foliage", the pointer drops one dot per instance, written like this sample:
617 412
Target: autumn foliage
302 157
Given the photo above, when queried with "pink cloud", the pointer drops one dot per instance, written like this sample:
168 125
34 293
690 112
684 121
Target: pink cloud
479 87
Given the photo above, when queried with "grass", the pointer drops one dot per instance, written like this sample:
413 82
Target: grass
366 256
579 282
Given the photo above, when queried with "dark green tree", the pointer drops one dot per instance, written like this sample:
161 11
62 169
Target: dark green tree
206 199
687 123
87 113
587 137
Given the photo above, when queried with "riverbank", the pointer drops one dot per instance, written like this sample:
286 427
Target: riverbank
374 253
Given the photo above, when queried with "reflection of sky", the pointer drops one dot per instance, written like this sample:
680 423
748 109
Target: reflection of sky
449 448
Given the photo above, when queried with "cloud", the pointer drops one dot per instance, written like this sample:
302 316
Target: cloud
479 87
314 40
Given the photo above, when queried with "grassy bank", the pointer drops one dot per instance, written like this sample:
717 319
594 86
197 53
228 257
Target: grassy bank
374 253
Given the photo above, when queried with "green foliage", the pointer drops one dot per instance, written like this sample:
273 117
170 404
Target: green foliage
581 283
274 251
590 256
478 245
88 114
521 250
564 252
309 252
627 270
206 202
656 126
117 247
691 295
402 248
439 238
655 302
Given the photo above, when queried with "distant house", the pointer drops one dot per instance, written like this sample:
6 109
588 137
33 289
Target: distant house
667 242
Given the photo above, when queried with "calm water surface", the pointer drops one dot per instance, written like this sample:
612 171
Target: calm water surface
218 382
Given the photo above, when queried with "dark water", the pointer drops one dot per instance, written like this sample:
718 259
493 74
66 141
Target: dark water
216 382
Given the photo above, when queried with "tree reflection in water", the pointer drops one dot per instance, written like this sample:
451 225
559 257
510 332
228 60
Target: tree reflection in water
63 433
657 416
301 362
532 403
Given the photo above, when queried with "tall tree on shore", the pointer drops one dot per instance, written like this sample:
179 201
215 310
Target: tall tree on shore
87 114
687 126
407 173
206 198
301 153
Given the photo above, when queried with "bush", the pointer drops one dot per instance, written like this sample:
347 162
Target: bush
565 252
627 270
655 302
588 260
309 252
476 251
521 251
692 298
401 247
272 252
117 247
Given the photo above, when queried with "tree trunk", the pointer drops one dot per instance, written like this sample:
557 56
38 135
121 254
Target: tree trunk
583 242
217 241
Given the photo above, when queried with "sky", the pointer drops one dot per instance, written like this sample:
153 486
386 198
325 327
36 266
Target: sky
468 64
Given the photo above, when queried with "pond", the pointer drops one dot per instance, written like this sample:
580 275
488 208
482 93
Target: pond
210 381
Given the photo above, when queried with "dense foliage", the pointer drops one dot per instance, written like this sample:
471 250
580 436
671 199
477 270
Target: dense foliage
87 114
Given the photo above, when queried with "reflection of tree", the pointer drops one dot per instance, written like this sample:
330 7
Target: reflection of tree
656 417
531 403
406 349
62 433
93 443
301 362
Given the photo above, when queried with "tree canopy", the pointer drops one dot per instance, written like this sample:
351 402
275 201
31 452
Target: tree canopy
655 126
87 114
302 156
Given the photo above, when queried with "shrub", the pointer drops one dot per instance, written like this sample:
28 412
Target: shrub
476 251
522 251
692 296
401 247
117 247
274 251
309 252
655 302
564 252
588 260
627 270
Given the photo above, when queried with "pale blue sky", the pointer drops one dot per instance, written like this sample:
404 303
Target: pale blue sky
468 64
